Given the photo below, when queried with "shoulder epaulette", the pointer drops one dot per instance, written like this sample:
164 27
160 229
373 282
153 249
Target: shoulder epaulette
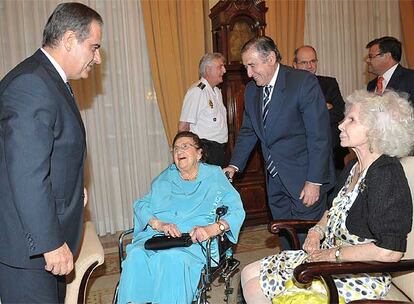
201 85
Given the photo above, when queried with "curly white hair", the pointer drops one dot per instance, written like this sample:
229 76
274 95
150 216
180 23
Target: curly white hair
389 118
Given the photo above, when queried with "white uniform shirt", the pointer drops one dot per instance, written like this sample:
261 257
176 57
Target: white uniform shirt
203 108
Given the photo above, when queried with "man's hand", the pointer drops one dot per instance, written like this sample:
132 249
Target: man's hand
329 105
183 126
310 194
231 170
59 261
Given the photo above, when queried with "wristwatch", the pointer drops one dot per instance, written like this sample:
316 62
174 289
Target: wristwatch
338 254
221 227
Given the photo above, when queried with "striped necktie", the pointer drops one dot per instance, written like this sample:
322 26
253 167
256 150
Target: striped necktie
69 88
266 102
270 164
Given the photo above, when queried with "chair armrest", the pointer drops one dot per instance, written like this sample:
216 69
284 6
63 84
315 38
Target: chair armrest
378 302
90 256
305 273
291 227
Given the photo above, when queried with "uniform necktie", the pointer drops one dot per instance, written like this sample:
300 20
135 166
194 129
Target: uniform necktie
69 88
266 101
380 85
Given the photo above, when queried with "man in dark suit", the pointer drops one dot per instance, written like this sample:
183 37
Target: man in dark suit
285 110
42 152
305 58
384 55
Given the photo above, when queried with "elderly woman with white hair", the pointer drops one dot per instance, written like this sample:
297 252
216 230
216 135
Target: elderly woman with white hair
371 213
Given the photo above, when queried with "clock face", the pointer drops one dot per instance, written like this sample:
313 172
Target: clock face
238 36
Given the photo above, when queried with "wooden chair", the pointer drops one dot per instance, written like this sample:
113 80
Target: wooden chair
91 255
402 290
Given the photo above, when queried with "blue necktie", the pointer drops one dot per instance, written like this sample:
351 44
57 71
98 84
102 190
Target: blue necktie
266 102
270 165
69 88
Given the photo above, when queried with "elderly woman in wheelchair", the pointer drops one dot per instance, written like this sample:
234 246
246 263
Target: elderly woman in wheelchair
371 213
182 199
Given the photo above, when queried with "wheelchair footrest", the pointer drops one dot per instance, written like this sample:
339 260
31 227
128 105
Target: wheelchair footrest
231 266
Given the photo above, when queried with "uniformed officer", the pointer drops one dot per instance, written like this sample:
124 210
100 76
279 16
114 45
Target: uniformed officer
203 111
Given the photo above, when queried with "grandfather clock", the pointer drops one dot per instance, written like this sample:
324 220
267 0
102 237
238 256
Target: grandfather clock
234 22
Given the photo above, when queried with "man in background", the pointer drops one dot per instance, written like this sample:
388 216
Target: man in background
306 59
42 152
203 111
285 110
384 55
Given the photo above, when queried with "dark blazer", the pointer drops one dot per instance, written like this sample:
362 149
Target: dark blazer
298 133
383 209
402 80
42 151
330 90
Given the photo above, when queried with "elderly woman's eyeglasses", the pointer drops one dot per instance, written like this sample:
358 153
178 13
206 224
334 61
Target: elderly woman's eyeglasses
183 147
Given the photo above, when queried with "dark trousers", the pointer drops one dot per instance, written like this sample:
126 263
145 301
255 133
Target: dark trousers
19 285
215 152
283 206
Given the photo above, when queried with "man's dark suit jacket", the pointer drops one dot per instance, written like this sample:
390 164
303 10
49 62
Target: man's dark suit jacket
42 150
402 80
297 131
330 90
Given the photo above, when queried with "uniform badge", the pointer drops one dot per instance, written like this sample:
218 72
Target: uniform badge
201 86
210 103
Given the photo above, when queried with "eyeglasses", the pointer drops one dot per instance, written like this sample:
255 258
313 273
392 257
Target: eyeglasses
313 61
183 147
370 56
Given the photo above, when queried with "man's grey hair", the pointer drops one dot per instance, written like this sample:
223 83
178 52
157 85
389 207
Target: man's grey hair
389 119
264 46
206 61
70 16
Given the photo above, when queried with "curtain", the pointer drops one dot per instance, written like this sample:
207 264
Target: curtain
127 146
340 30
407 26
285 25
175 35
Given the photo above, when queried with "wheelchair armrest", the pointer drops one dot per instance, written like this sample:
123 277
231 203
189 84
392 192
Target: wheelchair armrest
291 227
305 273
121 254
221 211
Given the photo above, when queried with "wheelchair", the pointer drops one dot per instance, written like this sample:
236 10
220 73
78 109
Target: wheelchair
226 266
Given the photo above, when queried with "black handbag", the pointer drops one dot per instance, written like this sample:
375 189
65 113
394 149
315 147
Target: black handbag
162 241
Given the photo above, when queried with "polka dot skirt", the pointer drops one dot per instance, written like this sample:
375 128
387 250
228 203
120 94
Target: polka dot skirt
276 270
